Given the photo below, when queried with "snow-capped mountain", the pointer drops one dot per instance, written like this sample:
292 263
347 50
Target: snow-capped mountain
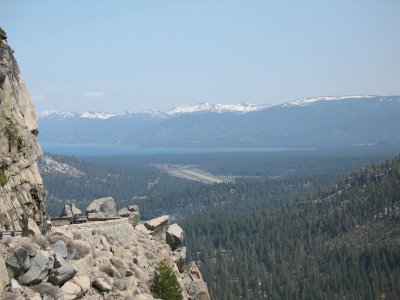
216 108
310 122
314 100
53 114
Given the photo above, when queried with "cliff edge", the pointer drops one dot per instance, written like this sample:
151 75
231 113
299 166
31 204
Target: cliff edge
21 189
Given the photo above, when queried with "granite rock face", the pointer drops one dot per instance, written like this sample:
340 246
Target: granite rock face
21 189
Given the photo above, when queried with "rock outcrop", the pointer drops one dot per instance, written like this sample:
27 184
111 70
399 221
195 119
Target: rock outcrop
98 265
70 210
21 189
132 212
102 208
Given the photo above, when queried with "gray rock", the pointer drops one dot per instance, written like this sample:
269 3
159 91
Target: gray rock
174 236
48 291
132 214
18 262
158 227
194 285
70 210
15 285
153 224
60 248
38 269
133 208
31 228
179 258
198 290
62 274
83 282
4 278
102 208
71 291
101 284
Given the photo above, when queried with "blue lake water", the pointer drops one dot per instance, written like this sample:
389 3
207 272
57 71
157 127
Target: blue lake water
117 149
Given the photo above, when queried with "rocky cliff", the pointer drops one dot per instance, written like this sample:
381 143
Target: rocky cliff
21 190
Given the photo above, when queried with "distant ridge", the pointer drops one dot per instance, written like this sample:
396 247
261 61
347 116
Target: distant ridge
199 107
305 123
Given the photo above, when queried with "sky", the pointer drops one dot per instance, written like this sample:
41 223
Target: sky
114 56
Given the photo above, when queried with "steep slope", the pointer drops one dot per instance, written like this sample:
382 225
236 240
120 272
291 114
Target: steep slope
21 189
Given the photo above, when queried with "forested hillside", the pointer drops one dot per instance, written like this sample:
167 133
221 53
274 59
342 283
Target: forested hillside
262 179
342 243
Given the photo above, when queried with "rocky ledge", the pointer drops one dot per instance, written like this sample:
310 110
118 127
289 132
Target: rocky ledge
67 264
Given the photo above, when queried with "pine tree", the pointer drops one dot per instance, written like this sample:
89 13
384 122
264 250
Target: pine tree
165 285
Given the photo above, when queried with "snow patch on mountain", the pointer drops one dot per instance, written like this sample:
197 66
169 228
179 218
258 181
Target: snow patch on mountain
56 114
312 100
217 108
98 115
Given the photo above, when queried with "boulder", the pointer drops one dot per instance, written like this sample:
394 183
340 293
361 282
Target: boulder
142 229
133 208
179 258
174 236
59 261
38 269
83 282
71 291
62 274
60 248
15 285
194 285
198 290
84 264
61 231
106 266
4 278
156 223
102 208
101 284
19 262
47 291
32 248
158 226
70 210
31 228
134 216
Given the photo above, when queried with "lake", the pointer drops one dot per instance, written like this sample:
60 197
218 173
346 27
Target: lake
117 149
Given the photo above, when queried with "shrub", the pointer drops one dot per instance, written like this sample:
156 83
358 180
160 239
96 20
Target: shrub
165 284
12 134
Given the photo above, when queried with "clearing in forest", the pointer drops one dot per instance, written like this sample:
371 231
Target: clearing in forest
192 172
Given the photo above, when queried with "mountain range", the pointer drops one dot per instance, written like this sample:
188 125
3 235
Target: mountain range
312 122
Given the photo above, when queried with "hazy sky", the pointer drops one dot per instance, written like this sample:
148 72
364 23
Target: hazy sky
137 55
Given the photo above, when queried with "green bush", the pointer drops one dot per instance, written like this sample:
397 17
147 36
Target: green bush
165 285
13 136
3 177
